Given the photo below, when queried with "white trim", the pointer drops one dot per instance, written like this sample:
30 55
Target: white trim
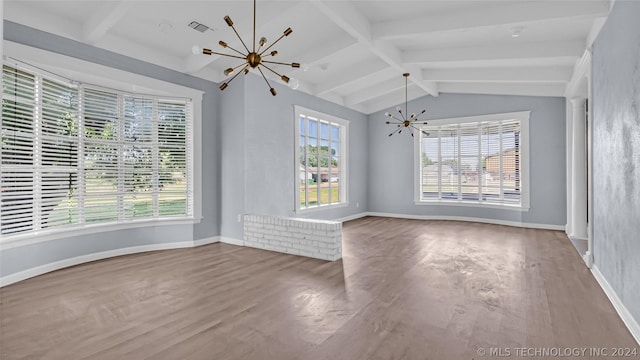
344 157
625 315
470 219
207 241
321 207
353 217
231 241
522 116
454 218
14 241
467 203
43 269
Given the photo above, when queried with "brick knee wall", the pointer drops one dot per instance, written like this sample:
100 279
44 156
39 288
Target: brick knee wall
318 239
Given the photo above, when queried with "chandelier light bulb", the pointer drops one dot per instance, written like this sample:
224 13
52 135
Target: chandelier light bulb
196 50
398 108
304 66
293 83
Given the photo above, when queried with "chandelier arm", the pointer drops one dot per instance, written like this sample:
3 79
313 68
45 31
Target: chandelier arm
264 77
273 43
243 55
221 54
238 73
397 119
245 65
276 62
238 35
270 69
395 131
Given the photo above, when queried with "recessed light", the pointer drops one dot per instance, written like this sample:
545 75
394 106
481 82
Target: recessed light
165 26
516 31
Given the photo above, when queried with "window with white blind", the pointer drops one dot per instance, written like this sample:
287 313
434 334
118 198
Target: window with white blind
481 160
320 168
75 154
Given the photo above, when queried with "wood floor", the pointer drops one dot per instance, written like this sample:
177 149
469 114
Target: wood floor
405 289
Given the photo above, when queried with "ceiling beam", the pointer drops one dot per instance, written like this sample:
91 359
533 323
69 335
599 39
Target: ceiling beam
502 74
396 98
343 14
517 51
106 15
489 16
542 89
315 54
372 92
350 76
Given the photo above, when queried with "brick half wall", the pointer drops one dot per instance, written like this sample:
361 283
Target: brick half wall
318 239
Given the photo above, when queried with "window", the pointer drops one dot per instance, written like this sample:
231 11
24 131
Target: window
75 154
474 160
320 150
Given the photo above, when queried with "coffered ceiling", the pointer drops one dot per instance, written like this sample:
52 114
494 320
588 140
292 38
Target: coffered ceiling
356 51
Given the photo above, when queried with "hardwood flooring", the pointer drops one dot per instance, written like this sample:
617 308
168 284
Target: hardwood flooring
405 289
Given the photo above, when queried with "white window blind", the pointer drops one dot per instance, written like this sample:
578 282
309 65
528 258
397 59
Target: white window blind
472 162
75 154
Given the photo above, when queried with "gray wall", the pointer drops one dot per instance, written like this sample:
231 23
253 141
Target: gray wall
26 257
616 153
265 139
391 160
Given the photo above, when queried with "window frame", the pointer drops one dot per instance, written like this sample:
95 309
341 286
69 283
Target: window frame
66 67
343 177
523 117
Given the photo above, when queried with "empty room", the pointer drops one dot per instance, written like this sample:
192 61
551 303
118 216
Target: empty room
320 179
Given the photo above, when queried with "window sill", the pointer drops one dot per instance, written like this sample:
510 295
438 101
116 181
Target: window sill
321 207
472 204
13 241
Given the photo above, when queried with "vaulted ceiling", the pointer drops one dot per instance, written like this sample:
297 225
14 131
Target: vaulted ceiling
355 51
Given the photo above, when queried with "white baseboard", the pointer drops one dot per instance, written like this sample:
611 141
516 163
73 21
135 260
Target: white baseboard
206 241
353 217
470 219
43 269
625 315
232 241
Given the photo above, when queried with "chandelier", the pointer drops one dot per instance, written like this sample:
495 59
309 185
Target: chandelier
405 120
254 58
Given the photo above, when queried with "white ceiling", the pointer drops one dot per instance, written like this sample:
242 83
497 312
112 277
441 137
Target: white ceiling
356 51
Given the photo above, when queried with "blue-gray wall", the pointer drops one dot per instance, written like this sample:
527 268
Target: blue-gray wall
391 159
264 139
26 257
616 153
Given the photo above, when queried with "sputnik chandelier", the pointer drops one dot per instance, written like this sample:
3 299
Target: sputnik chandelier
405 120
255 58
